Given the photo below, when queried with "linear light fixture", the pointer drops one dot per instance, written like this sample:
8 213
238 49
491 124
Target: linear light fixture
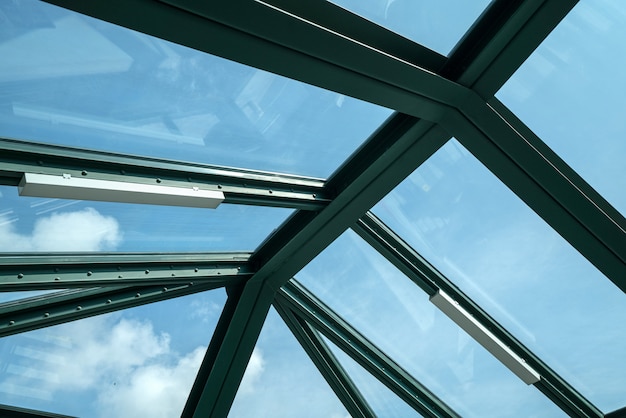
485 337
67 187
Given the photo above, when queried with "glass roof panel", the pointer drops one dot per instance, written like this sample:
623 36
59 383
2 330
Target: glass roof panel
282 381
500 253
430 23
29 224
131 363
73 80
396 315
570 92
383 401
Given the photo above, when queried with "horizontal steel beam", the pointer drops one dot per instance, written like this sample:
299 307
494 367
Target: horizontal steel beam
328 365
60 307
420 271
239 186
370 357
45 271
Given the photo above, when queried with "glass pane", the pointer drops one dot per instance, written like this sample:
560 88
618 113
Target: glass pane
438 25
570 92
392 312
282 381
134 363
69 79
383 401
499 252
29 224
14 296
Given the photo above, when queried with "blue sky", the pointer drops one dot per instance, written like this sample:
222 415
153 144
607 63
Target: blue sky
76 81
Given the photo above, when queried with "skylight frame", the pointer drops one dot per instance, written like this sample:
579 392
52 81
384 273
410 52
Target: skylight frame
456 107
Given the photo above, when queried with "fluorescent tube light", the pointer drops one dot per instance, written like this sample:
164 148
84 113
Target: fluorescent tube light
485 337
68 187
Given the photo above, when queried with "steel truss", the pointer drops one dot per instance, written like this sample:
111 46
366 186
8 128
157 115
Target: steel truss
437 97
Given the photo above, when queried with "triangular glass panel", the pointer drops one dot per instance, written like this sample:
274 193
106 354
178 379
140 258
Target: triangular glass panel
473 229
393 313
130 363
381 399
282 381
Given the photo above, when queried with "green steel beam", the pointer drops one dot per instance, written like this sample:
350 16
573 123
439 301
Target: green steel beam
239 186
217 340
353 26
358 185
619 413
60 307
541 180
352 71
8 411
47 271
233 354
328 365
370 357
504 51
411 263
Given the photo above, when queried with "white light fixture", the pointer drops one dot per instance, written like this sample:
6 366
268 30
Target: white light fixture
67 187
485 337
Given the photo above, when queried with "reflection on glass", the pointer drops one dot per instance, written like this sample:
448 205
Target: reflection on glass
499 252
383 401
15 296
29 224
134 363
438 25
282 381
392 312
69 79
570 92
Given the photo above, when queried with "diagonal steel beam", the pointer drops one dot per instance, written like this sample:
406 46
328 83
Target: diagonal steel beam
328 365
545 182
370 357
239 186
422 273
60 307
60 271
208 362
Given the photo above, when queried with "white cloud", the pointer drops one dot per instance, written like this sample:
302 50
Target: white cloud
122 365
84 230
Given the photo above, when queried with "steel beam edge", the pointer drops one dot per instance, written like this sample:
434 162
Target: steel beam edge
618 413
537 181
9 411
360 349
500 53
327 364
208 362
60 271
420 271
234 351
240 186
66 306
